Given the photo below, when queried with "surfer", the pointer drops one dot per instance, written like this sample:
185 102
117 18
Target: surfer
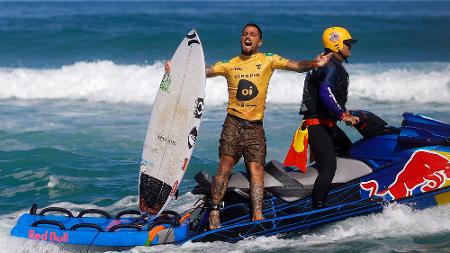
243 134
324 98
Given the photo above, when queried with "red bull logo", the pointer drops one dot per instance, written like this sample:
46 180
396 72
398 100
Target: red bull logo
51 237
425 170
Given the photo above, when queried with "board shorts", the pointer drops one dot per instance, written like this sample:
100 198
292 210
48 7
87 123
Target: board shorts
241 137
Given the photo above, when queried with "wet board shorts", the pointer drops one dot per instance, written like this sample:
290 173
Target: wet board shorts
243 138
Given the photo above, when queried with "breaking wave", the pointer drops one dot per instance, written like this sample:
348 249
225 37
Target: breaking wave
105 81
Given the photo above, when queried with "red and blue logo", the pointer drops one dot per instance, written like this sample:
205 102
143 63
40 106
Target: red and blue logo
425 171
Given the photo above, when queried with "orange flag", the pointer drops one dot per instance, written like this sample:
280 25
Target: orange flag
298 152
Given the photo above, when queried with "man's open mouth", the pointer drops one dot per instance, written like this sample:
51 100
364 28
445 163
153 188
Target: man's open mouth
247 42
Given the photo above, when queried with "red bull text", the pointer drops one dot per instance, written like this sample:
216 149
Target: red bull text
49 236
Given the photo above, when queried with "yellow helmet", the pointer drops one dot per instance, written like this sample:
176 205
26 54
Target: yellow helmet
333 38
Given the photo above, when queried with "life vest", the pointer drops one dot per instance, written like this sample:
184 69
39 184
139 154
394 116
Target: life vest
332 73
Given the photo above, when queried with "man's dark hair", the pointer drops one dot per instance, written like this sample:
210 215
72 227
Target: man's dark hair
254 25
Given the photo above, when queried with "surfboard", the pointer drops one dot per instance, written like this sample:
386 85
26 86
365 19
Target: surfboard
173 126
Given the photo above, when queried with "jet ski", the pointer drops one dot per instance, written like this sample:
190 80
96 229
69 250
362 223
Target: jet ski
409 164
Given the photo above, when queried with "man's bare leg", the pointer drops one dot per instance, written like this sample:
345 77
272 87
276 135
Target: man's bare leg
219 187
256 189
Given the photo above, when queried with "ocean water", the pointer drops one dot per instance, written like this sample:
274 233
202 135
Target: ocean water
78 79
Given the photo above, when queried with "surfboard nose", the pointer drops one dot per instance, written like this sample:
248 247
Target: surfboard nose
192 34
193 37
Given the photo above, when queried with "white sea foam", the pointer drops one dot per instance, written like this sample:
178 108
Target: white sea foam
52 182
396 221
109 82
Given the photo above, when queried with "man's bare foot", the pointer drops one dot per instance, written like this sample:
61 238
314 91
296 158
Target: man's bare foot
214 219
257 216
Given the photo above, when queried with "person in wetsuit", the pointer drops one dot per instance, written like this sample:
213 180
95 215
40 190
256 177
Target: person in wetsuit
243 134
324 98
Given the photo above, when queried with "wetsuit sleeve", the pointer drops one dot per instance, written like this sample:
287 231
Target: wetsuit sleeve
220 68
278 62
329 74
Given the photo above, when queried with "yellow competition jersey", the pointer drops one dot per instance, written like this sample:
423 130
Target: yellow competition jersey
248 79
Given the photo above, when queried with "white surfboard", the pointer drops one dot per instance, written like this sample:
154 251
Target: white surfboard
173 126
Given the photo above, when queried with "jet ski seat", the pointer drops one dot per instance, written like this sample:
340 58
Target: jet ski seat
283 182
347 169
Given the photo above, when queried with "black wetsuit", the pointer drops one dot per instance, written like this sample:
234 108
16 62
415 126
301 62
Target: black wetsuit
324 97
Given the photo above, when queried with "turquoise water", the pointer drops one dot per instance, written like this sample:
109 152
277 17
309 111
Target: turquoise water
77 82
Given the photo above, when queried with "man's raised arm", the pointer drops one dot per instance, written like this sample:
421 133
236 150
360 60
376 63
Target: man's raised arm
210 72
208 69
303 66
